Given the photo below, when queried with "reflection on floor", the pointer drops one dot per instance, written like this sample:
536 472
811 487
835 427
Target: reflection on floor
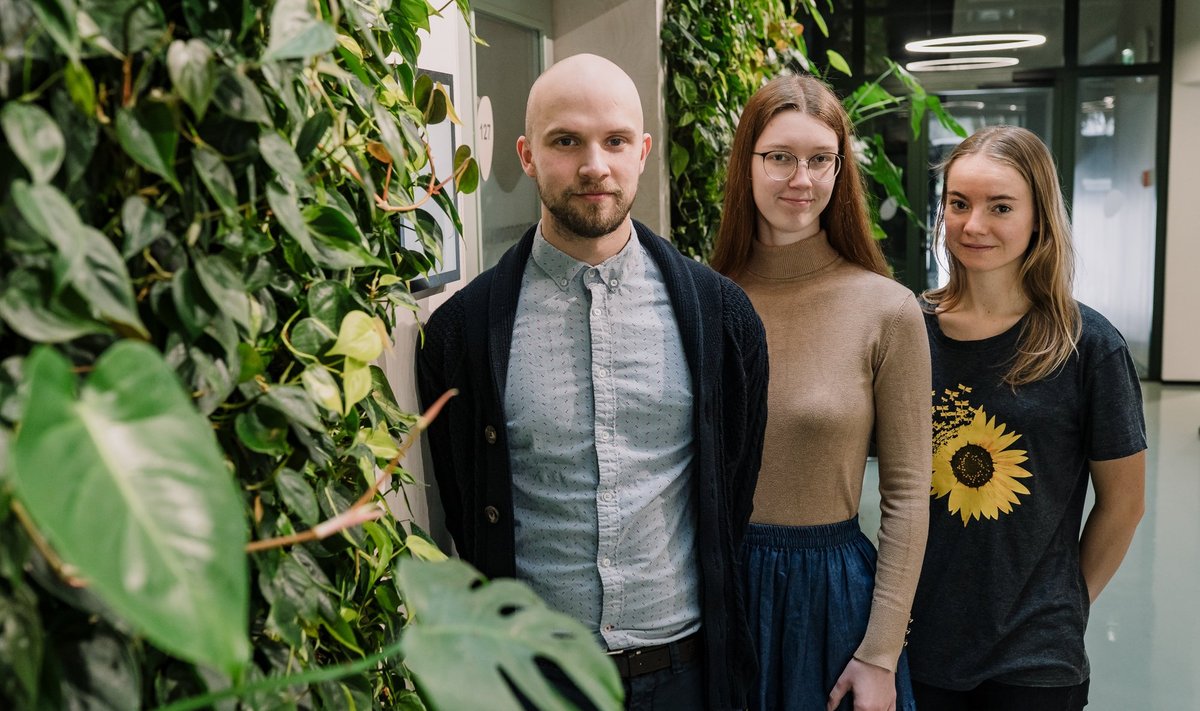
1144 633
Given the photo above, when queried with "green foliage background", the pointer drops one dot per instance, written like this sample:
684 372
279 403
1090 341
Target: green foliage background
202 207
718 52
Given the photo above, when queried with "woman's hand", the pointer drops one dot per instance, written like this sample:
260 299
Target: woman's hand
874 688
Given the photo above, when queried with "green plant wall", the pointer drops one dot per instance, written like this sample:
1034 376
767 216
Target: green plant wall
201 215
718 52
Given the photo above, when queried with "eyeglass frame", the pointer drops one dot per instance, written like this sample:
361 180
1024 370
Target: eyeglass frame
837 168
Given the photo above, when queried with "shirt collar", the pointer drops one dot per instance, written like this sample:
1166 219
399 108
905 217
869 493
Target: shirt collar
562 269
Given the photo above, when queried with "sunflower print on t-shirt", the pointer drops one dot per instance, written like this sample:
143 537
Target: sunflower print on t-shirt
972 460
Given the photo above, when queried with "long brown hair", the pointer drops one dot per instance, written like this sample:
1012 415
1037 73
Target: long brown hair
845 219
1052 328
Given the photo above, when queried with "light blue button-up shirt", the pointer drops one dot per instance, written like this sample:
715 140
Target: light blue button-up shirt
599 415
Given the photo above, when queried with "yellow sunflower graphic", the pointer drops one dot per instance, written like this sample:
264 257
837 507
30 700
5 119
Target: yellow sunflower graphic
978 470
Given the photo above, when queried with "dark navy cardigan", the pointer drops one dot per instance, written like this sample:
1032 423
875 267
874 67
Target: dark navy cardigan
467 343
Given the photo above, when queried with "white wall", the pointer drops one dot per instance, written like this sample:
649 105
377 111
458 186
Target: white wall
446 49
627 32
1181 301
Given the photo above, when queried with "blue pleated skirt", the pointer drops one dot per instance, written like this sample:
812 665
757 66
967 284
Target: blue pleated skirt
808 595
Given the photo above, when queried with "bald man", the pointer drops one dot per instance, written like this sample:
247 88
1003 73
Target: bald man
607 437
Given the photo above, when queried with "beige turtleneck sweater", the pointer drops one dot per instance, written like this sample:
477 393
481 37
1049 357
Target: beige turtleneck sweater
849 357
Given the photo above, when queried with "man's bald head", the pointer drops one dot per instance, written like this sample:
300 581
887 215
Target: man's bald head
578 80
585 146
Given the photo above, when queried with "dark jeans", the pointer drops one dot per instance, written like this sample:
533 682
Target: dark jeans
994 696
677 688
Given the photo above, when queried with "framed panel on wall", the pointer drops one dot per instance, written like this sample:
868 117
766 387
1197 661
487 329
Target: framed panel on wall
447 247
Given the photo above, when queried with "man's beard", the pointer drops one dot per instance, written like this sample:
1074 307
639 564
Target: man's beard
582 219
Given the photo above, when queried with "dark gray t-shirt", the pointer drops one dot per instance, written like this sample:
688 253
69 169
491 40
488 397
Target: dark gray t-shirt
1001 594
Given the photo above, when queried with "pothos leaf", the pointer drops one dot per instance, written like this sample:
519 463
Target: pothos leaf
358 338
149 136
36 139
356 382
296 33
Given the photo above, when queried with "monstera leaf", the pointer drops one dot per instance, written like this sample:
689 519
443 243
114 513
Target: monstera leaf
470 639
126 482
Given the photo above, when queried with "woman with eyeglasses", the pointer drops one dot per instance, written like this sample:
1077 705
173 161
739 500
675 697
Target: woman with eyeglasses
1035 396
849 364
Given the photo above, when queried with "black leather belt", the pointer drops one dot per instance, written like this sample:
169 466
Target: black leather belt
647 660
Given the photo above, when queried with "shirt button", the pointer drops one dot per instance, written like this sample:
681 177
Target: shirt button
613 283
491 514
603 372
607 496
606 562
603 436
489 434
608 628
564 282
597 312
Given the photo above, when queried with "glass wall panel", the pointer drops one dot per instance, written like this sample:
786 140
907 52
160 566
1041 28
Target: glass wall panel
889 28
1028 108
504 71
1119 31
1115 204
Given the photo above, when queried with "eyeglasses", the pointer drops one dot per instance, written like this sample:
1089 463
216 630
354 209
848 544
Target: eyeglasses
782 165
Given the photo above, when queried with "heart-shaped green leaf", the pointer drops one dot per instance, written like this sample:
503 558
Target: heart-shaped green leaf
224 284
312 132
298 495
126 482
329 301
81 87
358 338
280 155
296 33
193 72
58 21
423 549
215 175
149 137
469 639
381 444
322 388
312 337
30 308
295 403
90 262
240 98
36 139
356 382
263 429
142 224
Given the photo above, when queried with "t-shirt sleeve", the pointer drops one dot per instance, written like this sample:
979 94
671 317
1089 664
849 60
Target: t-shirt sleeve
1116 425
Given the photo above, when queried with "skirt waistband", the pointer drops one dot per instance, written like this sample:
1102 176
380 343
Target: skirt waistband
821 536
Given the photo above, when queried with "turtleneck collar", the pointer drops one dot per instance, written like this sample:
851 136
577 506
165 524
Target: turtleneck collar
796 260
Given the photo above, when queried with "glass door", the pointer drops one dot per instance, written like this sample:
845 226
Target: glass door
504 72
1115 205
1028 108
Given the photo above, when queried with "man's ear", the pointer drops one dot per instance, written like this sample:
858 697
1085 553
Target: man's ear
646 143
525 154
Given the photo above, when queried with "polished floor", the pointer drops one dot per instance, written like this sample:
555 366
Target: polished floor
1144 634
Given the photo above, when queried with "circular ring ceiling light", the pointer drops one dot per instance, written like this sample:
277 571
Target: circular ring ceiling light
976 43
960 64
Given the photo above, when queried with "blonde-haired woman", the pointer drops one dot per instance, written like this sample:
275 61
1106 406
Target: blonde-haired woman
1034 394
849 366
